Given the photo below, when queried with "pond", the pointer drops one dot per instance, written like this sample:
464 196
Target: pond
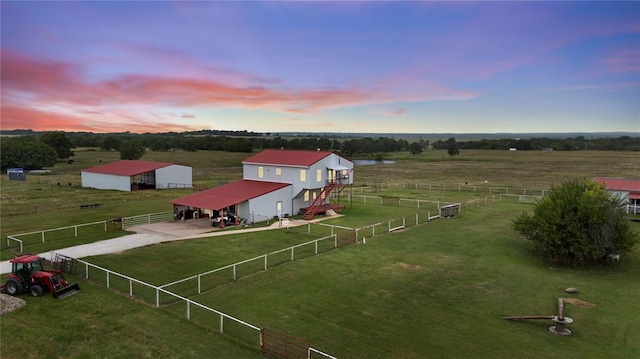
372 162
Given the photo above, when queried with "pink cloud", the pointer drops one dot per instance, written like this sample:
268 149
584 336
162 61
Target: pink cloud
622 61
49 94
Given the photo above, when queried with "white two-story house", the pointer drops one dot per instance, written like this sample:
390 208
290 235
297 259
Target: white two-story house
276 183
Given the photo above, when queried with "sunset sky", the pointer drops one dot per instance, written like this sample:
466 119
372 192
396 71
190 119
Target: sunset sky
301 66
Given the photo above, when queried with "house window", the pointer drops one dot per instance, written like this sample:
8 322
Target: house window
303 175
278 171
318 175
260 172
306 196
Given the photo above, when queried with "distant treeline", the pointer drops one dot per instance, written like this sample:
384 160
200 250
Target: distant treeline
244 141
168 142
623 143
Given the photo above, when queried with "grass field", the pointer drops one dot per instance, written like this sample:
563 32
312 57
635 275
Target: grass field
436 290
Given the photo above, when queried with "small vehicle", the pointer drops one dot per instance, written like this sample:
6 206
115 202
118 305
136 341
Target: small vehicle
28 275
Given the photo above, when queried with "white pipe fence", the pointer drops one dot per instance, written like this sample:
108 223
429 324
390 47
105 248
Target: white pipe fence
264 262
15 237
146 219
252 339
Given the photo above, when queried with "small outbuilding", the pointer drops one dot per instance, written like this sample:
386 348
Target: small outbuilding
627 189
17 174
129 175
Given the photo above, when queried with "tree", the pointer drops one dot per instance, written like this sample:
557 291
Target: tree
415 148
578 222
452 147
110 143
131 150
59 141
26 152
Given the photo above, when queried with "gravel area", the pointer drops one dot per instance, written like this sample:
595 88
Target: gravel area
9 303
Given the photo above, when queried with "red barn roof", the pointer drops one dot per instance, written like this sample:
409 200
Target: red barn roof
287 157
618 184
127 167
229 194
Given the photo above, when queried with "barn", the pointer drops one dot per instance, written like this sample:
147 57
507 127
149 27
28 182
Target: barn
129 175
277 183
627 189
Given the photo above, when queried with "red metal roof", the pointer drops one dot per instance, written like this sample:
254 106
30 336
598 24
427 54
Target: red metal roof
127 167
287 157
618 184
229 194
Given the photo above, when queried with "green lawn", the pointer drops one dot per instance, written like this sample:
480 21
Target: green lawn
440 290
436 290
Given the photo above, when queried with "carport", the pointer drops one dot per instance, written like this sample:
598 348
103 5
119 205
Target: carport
231 201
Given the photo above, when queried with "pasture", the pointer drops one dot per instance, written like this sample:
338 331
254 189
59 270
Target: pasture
434 290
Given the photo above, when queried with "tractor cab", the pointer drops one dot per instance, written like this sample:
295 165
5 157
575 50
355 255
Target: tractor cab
24 267
29 275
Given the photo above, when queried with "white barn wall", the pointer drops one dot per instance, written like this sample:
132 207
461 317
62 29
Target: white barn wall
291 174
105 181
172 175
265 205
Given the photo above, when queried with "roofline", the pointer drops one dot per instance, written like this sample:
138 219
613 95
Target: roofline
277 164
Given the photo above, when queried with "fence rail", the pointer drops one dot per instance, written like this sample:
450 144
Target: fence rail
263 260
146 219
223 319
42 236
448 187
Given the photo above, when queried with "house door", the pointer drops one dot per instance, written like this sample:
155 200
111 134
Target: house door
279 209
332 176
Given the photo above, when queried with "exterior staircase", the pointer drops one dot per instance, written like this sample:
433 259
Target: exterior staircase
313 209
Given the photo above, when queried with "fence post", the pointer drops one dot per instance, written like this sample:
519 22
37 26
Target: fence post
199 283
86 270
75 228
234 272
265 262
108 280
221 323
105 226
292 255
316 242
42 236
157 298
428 216
417 221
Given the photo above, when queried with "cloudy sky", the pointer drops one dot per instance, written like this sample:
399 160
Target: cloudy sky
401 67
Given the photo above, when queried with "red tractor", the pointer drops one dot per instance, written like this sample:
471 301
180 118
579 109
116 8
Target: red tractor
28 275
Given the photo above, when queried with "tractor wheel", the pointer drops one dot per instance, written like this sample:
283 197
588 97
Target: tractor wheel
13 286
36 290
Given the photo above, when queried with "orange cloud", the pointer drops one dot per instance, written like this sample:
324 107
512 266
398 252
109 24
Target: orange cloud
54 95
